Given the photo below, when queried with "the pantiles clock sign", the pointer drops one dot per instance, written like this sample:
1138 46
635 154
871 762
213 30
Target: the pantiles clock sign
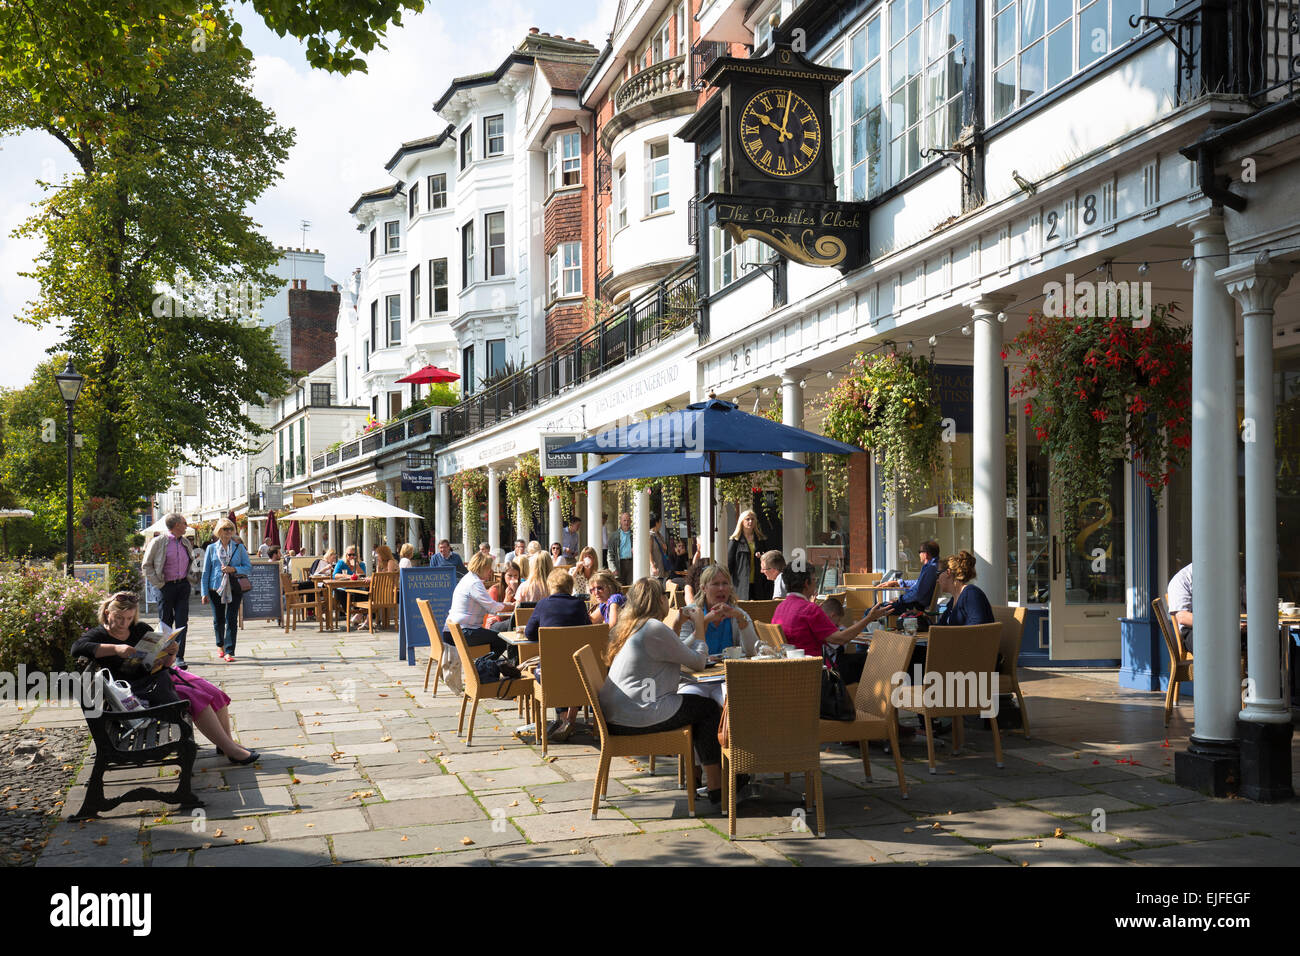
778 181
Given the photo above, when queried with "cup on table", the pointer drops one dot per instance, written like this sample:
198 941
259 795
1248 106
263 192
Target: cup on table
909 626
794 651
733 653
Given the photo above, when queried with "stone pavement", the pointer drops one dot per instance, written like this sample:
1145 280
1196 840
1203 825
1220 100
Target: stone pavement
361 767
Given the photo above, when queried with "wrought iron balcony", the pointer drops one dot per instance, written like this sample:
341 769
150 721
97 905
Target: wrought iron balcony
416 426
635 328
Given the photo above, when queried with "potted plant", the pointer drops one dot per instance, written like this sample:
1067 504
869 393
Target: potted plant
1100 388
884 404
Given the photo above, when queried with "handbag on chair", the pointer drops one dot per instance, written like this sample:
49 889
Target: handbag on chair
836 703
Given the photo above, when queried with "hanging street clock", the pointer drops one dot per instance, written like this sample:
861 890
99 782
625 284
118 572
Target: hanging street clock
777 180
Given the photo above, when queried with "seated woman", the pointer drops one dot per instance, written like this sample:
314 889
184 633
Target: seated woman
808 628
535 588
608 597
679 562
560 608
384 560
720 623
325 564
584 571
470 603
113 642
506 595
969 605
407 556
640 695
557 556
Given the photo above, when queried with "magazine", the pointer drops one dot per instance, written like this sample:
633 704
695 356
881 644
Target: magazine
156 645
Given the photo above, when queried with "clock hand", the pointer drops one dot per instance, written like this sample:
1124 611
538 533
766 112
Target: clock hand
789 96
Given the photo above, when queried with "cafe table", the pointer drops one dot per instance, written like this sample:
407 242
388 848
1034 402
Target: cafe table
330 583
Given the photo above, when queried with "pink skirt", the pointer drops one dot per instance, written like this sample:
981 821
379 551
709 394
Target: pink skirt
200 693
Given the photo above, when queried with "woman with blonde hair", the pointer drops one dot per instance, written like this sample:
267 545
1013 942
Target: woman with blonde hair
714 618
408 556
224 562
609 598
584 571
384 560
535 588
640 695
471 603
113 643
743 559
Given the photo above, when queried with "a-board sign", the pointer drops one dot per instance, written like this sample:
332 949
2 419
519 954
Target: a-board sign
434 585
264 600
96 574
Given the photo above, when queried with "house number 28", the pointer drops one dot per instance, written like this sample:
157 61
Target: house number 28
1089 217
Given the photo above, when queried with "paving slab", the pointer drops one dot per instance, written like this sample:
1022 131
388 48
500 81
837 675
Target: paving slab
411 788
507 779
1002 825
1156 827
1052 852
208 834
574 825
407 813
318 823
693 847
313 851
920 844
1150 792
1245 851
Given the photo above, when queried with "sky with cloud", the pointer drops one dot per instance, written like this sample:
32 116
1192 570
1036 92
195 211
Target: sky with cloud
347 128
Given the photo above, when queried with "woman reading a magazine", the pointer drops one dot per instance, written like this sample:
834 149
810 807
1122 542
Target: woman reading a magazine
113 644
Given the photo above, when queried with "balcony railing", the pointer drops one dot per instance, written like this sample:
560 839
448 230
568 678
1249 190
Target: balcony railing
1272 38
417 425
662 79
635 328
706 53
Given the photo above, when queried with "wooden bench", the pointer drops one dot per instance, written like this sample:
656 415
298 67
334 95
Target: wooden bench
166 737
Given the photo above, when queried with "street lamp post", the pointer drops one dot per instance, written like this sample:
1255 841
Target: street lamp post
69 382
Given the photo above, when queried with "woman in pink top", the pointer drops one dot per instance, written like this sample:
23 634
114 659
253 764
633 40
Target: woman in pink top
807 627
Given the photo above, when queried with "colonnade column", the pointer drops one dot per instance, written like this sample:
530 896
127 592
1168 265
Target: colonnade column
595 520
494 511
367 546
413 530
1266 719
1211 759
393 486
316 538
640 535
554 520
442 514
989 449
794 506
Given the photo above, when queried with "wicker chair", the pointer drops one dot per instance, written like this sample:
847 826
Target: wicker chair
859 578
772 716
297 603
969 650
556 682
476 690
522 614
876 717
1180 659
770 634
436 647
1012 620
759 610
676 743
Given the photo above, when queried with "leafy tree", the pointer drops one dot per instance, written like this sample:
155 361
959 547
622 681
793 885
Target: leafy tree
164 194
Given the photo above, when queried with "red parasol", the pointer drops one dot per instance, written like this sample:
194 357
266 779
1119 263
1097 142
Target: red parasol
429 375
272 534
292 540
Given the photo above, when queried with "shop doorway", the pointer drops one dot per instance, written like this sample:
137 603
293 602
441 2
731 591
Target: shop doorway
1086 576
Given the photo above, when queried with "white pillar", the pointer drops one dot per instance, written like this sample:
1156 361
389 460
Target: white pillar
494 511
367 547
554 520
1257 286
521 531
316 538
442 514
794 509
640 535
347 536
467 547
390 524
331 539
1214 496
595 526
989 450
412 530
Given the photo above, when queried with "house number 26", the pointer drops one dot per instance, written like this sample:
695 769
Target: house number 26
735 360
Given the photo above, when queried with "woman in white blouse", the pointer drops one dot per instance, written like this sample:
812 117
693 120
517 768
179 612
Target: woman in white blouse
470 603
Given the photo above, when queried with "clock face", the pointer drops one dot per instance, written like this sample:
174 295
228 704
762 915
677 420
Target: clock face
779 132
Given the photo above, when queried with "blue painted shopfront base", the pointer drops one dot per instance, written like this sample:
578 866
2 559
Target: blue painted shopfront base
1145 661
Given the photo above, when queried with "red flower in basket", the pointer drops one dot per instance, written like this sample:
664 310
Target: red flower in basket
810 487
755 489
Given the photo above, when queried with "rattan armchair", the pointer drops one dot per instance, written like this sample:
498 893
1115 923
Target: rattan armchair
862 578
968 651
772 717
1012 620
476 690
770 634
876 717
382 597
1180 659
676 743
759 610
556 682
296 603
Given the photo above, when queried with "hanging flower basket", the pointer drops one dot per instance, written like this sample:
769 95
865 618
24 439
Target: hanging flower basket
884 405
523 487
1099 389
469 488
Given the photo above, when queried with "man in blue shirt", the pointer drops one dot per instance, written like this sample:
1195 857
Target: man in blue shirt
917 594
624 549
447 558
